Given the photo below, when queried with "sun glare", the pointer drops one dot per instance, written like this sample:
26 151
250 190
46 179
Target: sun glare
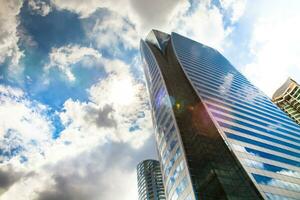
123 92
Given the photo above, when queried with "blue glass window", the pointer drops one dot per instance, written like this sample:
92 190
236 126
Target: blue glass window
264 180
271 168
172 161
271 196
175 175
244 131
180 188
206 91
237 106
266 155
261 144
264 130
170 133
253 118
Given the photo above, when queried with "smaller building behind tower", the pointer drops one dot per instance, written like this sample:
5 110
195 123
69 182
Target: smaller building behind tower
287 98
150 183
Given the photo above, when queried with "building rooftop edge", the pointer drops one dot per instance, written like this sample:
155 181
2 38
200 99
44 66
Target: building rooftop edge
283 88
153 160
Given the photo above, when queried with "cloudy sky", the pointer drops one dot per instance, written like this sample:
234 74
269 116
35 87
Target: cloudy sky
74 112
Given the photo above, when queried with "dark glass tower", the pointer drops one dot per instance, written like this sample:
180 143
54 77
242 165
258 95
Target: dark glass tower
218 137
150 183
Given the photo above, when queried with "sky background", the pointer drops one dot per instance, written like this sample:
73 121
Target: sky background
74 112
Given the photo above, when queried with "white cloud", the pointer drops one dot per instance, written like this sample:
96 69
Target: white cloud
64 57
125 21
83 8
110 30
204 24
116 105
113 24
120 98
40 7
235 8
11 92
23 188
154 14
274 47
99 127
140 12
9 49
92 174
24 127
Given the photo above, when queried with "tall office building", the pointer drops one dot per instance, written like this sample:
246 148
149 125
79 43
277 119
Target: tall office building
287 97
150 183
218 137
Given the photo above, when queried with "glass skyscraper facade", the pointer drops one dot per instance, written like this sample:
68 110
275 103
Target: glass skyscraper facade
217 135
287 97
150 183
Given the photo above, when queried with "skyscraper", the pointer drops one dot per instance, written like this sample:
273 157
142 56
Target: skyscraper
150 183
287 97
218 136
